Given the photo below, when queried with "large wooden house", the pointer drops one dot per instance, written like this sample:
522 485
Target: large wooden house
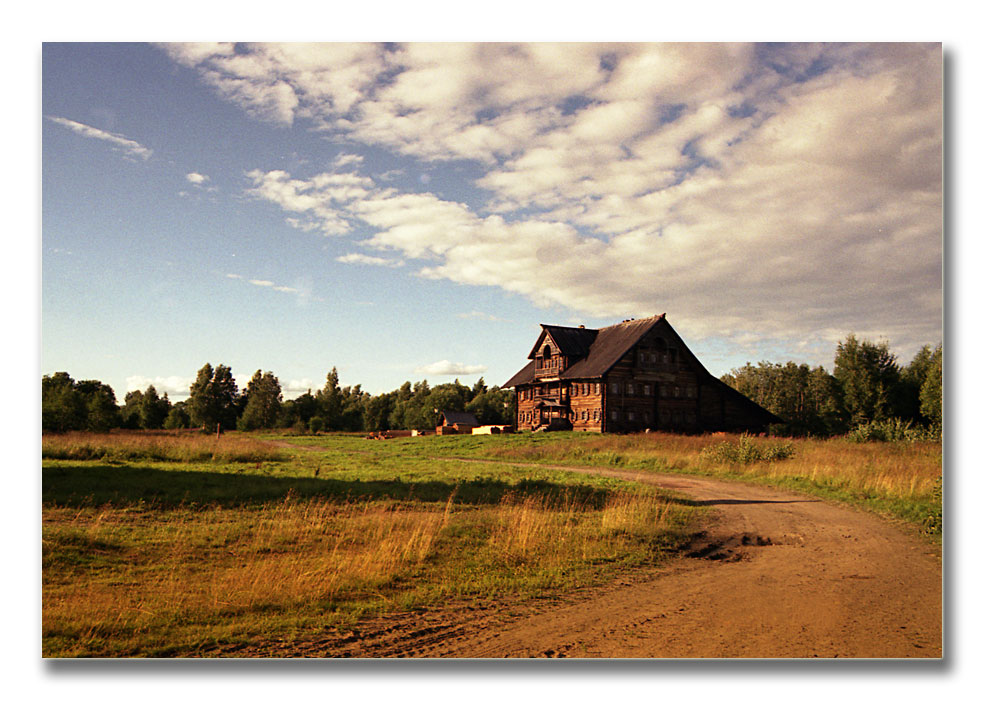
632 376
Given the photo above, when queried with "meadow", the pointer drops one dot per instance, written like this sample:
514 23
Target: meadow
190 545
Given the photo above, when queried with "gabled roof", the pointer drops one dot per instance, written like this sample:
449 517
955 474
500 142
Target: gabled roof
610 345
599 349
525 375
459 417
573 342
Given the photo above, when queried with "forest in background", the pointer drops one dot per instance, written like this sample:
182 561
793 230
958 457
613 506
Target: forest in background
869 396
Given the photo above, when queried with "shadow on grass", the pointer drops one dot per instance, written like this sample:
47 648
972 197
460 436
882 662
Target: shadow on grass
100 484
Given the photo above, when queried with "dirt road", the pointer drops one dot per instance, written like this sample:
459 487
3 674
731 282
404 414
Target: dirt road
776 574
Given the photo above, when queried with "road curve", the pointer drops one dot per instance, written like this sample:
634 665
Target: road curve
775 575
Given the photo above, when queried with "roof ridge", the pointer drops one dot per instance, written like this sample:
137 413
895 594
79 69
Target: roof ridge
655 317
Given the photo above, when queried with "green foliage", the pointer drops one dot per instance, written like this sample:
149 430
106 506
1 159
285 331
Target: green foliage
212 400
891 430
263 402
934 521
807 399
86 405
932 390
747 451
177 417
869 377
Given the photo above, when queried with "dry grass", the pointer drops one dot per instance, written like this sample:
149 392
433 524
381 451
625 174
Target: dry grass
894 469
126 582
162 446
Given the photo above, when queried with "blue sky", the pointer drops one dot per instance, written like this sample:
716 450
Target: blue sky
409 212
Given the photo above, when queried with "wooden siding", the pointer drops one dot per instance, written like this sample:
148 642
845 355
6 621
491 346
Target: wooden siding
647 379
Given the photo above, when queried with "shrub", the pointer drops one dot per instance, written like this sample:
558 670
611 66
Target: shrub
747 451
892 430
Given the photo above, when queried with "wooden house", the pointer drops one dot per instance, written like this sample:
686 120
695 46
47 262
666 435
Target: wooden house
632 376
451 422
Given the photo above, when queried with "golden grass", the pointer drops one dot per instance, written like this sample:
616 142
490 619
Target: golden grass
899 470
165 446
125 582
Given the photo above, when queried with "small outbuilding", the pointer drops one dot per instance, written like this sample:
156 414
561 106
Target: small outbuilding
451 422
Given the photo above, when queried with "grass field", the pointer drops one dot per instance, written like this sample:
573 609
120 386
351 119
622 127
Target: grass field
188 545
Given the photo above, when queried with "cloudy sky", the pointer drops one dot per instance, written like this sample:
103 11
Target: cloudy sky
414 211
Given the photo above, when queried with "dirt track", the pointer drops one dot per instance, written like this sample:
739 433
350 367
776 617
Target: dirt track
775 574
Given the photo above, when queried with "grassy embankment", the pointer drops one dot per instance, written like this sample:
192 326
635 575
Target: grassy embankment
187 545
901 480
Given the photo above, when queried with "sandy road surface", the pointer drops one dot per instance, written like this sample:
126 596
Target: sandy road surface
776 574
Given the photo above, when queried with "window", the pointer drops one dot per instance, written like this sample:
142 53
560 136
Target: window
663 390
614 414
614 387
677 392
598 388
629 389
631 415
646 389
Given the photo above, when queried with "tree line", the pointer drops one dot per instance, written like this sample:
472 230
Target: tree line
216 403
869 393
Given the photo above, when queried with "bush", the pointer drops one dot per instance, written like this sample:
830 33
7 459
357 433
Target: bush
892 430
934 522
747 451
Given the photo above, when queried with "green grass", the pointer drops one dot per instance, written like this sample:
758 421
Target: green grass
151 558
901 480
157 552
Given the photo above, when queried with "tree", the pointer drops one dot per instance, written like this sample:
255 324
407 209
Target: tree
154 409
263 402
932 389
177 417
62 408
493 406
869 378
807 400
912 378
86 405
212 398
130 412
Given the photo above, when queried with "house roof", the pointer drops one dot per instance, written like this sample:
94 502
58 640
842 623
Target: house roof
599 349
459 417
525 375
611 343
574 342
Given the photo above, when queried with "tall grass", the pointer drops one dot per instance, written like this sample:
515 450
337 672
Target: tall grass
160 446
895 478
131 582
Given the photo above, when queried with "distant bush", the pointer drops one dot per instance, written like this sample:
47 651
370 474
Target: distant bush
747 451
892 430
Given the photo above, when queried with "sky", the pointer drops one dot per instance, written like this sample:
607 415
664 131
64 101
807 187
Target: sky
414 211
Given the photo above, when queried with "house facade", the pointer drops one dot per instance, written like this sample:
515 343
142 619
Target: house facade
628 377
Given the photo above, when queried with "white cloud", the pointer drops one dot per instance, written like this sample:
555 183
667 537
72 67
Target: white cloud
476 314
129 147
197 178
173 385
347 159
361 259
445 367
793 190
